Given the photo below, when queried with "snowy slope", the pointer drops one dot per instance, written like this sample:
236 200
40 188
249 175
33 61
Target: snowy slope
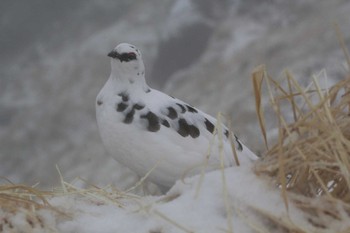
250 205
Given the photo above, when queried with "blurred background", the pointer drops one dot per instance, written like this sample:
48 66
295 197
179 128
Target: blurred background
53 63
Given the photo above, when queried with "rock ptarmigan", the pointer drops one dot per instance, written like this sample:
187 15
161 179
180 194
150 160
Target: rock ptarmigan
145 129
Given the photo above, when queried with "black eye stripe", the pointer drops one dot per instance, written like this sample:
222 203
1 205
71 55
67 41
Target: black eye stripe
127 56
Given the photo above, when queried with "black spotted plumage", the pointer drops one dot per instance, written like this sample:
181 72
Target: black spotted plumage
153 121
226 133
172 114
183 109
129 117
125 96
186 129
210 126
121 107
183 128
165 123
191 109
194 131
138 106
239 147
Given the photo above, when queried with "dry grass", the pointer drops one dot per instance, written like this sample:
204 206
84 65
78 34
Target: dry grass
27 201
16 196
310 161
24 200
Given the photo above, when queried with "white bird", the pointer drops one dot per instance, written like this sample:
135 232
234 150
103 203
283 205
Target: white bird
147 130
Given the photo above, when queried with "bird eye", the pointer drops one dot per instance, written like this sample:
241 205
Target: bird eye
128 57
132 55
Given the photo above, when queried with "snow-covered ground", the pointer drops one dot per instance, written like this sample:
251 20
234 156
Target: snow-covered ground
243 203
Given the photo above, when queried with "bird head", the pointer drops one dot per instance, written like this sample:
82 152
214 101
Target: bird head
126 62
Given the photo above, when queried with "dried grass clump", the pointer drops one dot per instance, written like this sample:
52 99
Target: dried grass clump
24 201
310 161
20 205
314 147
13 197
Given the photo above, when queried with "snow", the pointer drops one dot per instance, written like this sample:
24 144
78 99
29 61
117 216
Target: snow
180 210
241 37
183 211
182 14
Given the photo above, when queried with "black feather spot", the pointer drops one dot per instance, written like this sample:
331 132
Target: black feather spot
226 133
172 114
165 123
191 109
186 129
125 96
99 102
153 121
183 128
121 107
148 90
194 131
183 109
129 116
138 106
240 147
209 125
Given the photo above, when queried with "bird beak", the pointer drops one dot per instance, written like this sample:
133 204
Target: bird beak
113 54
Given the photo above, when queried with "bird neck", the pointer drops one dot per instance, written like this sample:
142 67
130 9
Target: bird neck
128 81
